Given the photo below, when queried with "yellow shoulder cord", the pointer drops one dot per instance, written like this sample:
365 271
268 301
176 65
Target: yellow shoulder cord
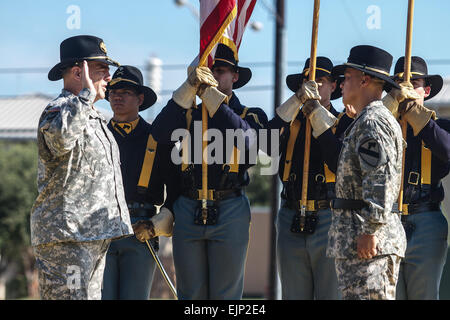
234 159
149 159
330 176
294 130
185 142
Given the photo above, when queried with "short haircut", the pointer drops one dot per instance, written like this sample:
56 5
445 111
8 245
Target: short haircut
377 81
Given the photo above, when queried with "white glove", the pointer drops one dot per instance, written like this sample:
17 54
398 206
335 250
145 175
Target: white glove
185 94
159 225
308 90
288 109
396 96
212 98
321 119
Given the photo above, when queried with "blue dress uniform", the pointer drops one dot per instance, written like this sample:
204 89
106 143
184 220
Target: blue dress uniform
305 271
210 259
129 264
426 164
146 168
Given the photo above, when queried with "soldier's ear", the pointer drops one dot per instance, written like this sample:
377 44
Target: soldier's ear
235 77
365 80
76 72
427 90
141 98
333 85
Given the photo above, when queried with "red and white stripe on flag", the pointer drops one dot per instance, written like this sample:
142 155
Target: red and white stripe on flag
215 17
222 21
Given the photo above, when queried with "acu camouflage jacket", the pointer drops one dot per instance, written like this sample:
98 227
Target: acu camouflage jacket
369 169
81 196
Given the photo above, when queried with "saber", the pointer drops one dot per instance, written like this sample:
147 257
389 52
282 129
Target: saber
161 268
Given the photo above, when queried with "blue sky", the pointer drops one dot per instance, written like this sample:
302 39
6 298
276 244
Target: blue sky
133 30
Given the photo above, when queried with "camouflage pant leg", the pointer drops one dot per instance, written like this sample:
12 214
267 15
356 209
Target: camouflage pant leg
71 270
368 279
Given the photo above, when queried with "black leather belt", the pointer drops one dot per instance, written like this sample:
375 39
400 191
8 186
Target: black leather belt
413 208
141 210
313 205
213 195
348 204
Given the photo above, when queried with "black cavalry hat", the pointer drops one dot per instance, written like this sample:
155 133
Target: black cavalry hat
419 70
370 60
324 66
225 57
129 76
77 49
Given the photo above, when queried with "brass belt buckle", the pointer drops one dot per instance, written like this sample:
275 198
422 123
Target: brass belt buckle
210 194
413 175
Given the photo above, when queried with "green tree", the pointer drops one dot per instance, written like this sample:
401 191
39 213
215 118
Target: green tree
18 191
259 189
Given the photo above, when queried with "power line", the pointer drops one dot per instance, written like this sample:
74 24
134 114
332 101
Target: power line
172 67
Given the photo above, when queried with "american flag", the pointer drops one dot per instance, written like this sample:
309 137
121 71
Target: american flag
222 21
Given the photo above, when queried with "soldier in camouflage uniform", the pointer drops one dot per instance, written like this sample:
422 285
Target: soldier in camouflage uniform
366 236
81 204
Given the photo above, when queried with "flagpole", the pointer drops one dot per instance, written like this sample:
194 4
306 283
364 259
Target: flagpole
312 76
406 78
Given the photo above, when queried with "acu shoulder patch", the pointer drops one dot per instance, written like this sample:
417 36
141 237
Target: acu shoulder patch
371 152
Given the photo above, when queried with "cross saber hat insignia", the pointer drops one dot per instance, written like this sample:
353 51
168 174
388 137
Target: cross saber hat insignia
161 268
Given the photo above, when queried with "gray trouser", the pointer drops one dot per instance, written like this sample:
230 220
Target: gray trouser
71 270
305 271
426 252
210 260
129 269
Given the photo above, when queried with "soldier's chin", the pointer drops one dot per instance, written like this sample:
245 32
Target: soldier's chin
101 94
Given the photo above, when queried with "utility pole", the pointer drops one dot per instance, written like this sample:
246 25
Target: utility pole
278 96
154 79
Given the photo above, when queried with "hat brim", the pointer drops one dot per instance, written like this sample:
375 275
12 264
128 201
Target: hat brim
389 82
150 96
55 73
293 81
245 74
435 81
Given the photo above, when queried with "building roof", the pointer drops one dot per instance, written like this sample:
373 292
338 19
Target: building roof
20 115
